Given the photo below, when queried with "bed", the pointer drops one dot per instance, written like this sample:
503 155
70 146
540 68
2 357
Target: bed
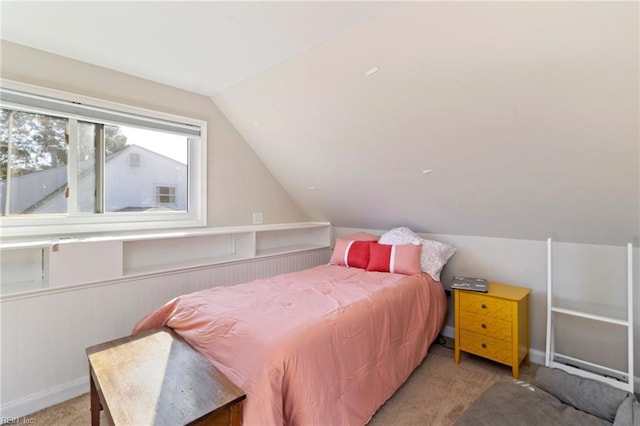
327 345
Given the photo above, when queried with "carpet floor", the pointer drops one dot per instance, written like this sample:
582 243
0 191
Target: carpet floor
436 393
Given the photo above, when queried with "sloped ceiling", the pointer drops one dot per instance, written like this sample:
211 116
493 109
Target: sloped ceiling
505 119
525 114
200 46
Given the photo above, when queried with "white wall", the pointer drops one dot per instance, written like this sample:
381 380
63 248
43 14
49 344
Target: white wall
527 112
587 277
238 182
44 336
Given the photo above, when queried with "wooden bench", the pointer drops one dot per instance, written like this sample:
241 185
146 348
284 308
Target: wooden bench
156 378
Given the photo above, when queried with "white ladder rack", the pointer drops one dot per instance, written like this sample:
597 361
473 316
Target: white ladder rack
619 379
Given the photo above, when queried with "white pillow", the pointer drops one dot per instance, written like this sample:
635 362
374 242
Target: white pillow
434 253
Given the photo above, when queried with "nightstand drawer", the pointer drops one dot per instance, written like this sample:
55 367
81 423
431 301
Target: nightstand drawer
488 347
481 304
486 326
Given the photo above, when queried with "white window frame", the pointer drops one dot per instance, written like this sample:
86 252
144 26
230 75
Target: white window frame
74 223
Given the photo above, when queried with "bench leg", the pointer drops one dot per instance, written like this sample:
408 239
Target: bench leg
235 418
95 403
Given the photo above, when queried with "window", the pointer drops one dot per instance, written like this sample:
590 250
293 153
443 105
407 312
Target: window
134 159
165 194
33 163
70 165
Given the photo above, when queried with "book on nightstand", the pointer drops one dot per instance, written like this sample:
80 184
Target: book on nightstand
472 284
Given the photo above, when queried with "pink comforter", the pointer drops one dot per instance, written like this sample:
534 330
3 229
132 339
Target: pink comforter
324 346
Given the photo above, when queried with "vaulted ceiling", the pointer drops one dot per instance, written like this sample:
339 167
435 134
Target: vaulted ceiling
517 120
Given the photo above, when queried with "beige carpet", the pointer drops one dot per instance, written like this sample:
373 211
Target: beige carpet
437 392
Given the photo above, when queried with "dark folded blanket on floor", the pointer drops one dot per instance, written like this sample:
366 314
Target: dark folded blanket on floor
557 398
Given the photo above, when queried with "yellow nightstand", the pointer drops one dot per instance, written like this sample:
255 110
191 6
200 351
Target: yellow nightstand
493 325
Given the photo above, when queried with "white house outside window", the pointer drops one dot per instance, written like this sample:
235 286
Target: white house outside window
70 166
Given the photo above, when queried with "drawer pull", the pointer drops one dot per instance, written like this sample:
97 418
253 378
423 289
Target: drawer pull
484 345
484 306
483 325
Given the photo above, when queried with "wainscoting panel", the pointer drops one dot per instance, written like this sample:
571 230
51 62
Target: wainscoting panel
44 337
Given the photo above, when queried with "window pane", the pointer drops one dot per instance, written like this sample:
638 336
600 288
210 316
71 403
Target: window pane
145 170
87 133
165 194
33 163
69 168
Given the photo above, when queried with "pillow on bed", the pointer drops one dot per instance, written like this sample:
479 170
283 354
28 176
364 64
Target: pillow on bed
350 253
434 254
399 259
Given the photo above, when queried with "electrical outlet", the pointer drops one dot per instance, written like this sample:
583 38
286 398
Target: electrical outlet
258 218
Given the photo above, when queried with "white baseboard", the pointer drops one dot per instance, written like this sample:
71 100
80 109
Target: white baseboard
535 356
448 331
25 406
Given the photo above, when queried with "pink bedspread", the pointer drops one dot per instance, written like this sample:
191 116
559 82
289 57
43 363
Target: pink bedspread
324 346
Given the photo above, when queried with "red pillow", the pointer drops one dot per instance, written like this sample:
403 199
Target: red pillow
350 253
399 259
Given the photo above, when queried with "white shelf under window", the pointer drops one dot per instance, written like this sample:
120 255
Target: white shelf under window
64 262
287 249
178 266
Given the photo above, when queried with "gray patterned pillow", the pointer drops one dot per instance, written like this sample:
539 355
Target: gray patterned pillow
434 254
